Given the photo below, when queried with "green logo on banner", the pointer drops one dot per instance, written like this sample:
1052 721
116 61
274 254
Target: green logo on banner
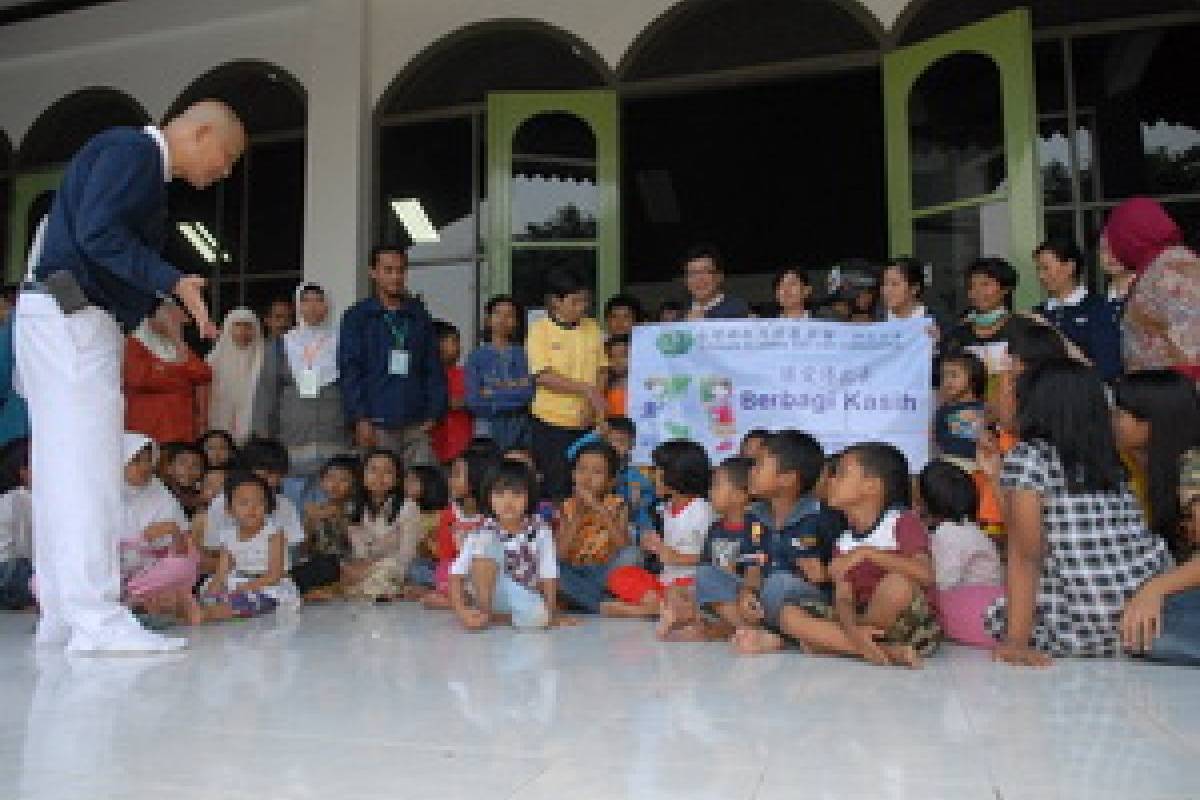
674 343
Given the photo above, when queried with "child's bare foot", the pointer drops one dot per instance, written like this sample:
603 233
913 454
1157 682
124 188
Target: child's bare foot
666 621
413 593
756 641
689 632
193 614
902 655
436 601
319 595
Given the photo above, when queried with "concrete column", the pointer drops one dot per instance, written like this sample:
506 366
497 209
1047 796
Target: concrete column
336 209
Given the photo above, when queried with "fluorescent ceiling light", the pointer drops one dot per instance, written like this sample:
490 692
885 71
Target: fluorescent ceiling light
197 241
416 221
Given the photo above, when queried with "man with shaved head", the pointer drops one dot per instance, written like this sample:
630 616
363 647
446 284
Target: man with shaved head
96 272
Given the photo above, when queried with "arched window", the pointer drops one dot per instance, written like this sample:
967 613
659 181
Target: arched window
67 125
246 233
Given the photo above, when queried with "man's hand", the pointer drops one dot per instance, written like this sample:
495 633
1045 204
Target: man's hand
190 291
364 434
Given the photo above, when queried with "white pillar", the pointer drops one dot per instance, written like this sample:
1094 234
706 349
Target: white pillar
336 207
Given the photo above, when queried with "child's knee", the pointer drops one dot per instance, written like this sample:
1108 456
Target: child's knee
895 590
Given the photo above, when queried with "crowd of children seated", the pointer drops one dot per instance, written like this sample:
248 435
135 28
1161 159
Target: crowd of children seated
1058 516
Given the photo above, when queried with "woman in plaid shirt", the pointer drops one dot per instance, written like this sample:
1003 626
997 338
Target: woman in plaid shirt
1079 546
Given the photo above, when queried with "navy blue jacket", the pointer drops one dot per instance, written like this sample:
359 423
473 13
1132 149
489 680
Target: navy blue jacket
108 224
369 390
1093 327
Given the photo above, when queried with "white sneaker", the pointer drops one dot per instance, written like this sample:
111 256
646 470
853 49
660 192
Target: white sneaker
127 641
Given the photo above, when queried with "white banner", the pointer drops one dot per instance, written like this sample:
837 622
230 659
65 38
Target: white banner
844 383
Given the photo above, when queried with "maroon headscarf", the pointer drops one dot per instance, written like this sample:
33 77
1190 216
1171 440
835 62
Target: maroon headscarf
1138 230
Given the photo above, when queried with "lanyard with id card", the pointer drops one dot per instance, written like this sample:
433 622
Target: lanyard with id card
398 359
308 385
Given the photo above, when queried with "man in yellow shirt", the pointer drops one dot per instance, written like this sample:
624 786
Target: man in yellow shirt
566 358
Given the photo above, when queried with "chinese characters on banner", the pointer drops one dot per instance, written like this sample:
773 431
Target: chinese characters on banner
844 383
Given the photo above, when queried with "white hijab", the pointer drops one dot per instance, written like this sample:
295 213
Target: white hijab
235 377
312 346
159 346
146 505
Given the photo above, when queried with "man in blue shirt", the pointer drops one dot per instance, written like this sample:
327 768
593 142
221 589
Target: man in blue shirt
95 272
393 381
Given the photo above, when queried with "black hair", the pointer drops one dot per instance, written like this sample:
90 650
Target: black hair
799 272
512 475
685 467
265 454
1169 402
346 462
625 301
620 338
669 305
220 434
705 250
239 477
1062 403
386 247
977 374
444 329
561 282
612 461
888 464
1033 344
767 309
737 470
490 306
480 462
998 270
306 288
948 493
173 450
756 433
623 425
14 457
1064 248
912 270
799 452
435 493
396 495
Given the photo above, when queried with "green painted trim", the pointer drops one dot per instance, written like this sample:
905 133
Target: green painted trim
966 202
1008 40
507 111
25 189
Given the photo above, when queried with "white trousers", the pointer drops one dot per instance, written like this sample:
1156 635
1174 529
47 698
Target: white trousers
69 370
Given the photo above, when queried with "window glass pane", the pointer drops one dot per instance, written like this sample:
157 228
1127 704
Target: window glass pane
1140 128
950 241
554 194
529 268
276 212
956 123
1054 145
193 228
260 293
425 188
448 291
229 237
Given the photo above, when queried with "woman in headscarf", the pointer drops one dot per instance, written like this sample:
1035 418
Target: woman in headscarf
236 361
298 400
1161 325
165 383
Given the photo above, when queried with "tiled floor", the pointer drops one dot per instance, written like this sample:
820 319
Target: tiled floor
367 703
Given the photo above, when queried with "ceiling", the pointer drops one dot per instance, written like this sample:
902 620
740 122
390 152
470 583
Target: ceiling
13 11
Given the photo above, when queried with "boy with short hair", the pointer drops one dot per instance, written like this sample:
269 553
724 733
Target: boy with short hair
452 433
617 348
566 356
183 467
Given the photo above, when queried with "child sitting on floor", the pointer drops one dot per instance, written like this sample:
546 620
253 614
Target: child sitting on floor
592 529
16 527
158 562
733 557
183 467
384 532
460 518
327 530
882 571
251 577
966 565
425 486
509 562
682 475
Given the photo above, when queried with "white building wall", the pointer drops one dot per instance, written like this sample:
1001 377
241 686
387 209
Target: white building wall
346 53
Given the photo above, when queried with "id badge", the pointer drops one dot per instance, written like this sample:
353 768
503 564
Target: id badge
399 362
307 385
